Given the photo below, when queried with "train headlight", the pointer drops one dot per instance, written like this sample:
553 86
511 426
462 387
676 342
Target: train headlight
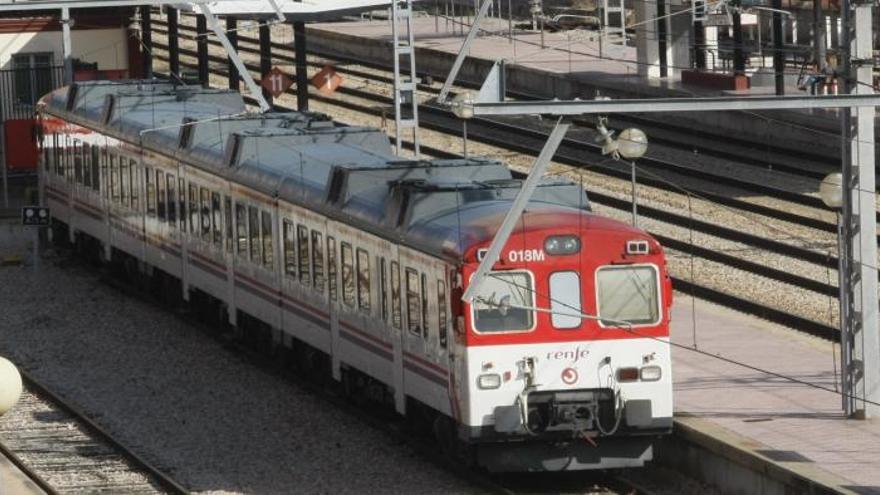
562 244
489 381
650 373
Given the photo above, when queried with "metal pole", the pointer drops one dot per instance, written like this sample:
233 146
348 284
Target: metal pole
843 317
66 46
265 56
232 34
509 21
464 138
818 34
3 165
862 333
147 41
202 48
663 36
302 78
462 53
173 42
778 52
634 205
739 61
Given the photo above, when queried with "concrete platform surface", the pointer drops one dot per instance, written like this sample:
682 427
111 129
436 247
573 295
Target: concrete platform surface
14 482
795 426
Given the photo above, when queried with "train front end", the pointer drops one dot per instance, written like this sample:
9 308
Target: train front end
566 360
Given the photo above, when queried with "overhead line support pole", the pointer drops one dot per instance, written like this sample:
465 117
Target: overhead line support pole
173 42
232 34
66 46
302 77
265 55
463 52
147 41
778 48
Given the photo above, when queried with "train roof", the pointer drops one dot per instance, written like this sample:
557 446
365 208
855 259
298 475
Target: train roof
347 172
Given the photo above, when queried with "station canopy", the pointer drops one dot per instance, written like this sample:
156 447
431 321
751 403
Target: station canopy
305 10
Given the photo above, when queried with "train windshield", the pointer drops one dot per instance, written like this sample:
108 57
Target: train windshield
498 307
628 293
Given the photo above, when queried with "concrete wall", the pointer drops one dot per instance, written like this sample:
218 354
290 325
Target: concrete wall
107 47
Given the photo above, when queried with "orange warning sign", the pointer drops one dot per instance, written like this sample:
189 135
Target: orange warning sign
327 80
276 82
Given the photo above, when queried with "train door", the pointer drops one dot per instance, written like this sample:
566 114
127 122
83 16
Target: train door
389 303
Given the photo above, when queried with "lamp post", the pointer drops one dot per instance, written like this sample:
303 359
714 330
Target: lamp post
831 192
632 144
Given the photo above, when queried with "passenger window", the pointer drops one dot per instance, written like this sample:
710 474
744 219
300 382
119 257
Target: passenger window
96 168
302 241
151 192
331 267
181 202
254 233
347 275
217 220
268 250
227 217
77 162
160 195
114 179
86 172
134 193
565 299
425 305
363 267
193 209
383 290
59 154
241 230
396 315
124 182
289 248
105 174
442 319
317 261
172 200
413 302
205 205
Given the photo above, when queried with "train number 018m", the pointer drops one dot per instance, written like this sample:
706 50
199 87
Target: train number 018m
525 255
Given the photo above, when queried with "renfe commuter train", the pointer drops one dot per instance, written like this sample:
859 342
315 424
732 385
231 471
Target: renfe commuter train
314 239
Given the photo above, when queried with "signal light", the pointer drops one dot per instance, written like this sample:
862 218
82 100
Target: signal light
489 381
627 374
650 373
637 247
557 245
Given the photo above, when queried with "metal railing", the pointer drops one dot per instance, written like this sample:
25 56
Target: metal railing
22 88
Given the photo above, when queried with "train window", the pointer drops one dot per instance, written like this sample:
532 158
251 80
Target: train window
413 302
124 181
254 233
193 209
396 316
363 289
442 317
161 199
383 290
317 261
96 168
151 191
425 304
77 162
134 193
86 165
105 174
302 241
347 275
227 217
515 288
565 299
268 251
217 220
181 202
114 179
331 268
628 294
241 230
205 209
289 248
170 182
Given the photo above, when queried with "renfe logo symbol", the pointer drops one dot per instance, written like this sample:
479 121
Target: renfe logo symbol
569 376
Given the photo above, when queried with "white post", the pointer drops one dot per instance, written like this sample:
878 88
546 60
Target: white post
66 46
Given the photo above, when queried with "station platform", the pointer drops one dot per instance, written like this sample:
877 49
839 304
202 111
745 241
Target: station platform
575 64
764 421
15 482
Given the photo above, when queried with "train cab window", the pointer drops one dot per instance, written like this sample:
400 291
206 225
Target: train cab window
628 294
363 280
383 289
227 217
413 302
396 316
171 182
289 233
302 242
151 191
217 220
124 181
565 299
331 268
134 193
268 249
161 199
181 202
442 316
508 292
205 209
254 233
114 179
317 261
241 240
193 209
96 168
77 162
347 274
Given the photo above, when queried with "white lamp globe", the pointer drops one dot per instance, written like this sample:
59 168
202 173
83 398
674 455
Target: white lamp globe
463 105
831 190
10 385
632 143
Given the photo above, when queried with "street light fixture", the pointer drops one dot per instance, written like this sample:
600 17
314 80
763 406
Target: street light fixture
632 144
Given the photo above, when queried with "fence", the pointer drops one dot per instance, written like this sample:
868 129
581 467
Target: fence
22 88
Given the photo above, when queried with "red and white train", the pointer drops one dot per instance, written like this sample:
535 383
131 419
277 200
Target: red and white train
316 238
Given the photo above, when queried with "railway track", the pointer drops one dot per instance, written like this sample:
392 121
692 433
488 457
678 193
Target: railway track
62 451
579 152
